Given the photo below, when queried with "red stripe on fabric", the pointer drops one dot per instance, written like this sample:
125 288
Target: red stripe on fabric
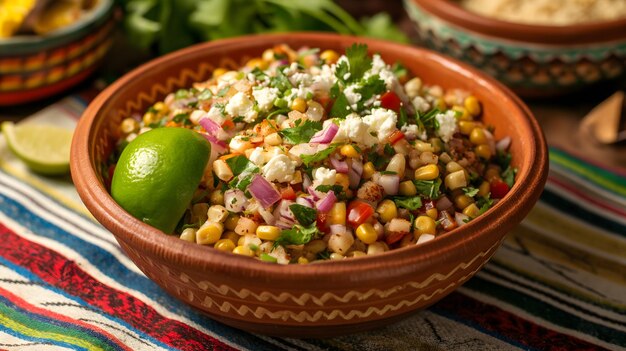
510 326
64 274
586 197
43 312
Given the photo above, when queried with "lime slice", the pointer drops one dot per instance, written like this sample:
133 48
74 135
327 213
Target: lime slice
45 149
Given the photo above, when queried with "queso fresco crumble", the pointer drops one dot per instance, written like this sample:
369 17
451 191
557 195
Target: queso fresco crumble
323 156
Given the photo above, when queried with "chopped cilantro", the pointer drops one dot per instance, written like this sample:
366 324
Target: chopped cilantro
324 255
470 191
223 91
298 235
410 203
242 181
399 70
305 215
357 148
240 164
337 189
370 87
484 203
503 159
389 151
184 93
318 156
280 81
428 188
302 132
278 112
205 94
360 61
268 258
158 124
509 175
403 119
182 118
428 120
341 107
258 73
375 158
238 119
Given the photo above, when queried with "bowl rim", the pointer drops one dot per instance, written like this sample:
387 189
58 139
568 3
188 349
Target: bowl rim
67 33
586 33
156 244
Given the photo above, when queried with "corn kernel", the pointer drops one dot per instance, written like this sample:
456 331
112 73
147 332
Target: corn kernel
484 189
273 139
432 213
455 180
453 167
160 106
149 118
437 145
387 211
466 127
366 233
428 172
472 105
357 254
407 188
368 170
471 211
377 248
440 103
129 125
349 151
189 234
477 136
226 245
423 146
209 233
302 260
221 169
424 225
217 213
343 180
483 151
397 164
257 63
462 113
299 104
268 55
243 250
336 256
217 197
462 201
329 56
232 236
218 72
268 232
337 214
231 222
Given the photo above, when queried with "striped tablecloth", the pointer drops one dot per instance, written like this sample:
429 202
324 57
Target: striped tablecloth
557 282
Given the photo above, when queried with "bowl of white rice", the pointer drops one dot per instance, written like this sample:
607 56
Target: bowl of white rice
539 48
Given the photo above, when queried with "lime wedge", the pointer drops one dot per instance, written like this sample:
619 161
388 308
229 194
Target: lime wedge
45 149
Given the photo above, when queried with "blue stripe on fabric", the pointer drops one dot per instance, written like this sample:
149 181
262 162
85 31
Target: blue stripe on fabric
110 266
104 340
35 278
43 341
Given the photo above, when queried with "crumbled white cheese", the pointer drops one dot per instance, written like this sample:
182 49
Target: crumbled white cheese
280 168
265 97
241 105
215 113
302 92
293 68
410 131
227 79
257 156
382 122
325 176
421 104
299 78
354 129
352 96
325 79
196 116
447 125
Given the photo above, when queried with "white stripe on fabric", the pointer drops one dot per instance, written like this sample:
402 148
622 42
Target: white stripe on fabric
572 176
49 300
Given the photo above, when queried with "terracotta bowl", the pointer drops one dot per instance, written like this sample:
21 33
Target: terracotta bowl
34 67
322 299
534 60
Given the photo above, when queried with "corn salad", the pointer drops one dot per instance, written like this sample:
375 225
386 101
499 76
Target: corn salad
318 155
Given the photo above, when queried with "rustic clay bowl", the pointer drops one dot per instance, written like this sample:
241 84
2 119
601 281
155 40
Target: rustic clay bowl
534 60
323 299
34 67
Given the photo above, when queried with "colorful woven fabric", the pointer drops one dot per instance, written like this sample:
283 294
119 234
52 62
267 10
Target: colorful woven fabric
557 283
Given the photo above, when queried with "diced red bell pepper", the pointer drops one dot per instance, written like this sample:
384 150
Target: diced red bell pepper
447 221
390 101
394 237
395 136
322 222
359 212
228 124
325 101
288 193
498 189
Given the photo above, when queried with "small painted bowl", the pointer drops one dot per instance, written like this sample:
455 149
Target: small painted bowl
321 299
34 67
534 60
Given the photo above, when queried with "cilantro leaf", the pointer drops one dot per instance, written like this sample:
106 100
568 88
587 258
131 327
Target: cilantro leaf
341 107
428 188
370 87
305 215
484 203
359 60
509 175
410 203
223 91
375 158
205 94
298 235
242 181
268 258
326 188
318 156
503 159
403 119
240 164
184 93
341 70
302 132
182 118
470 191
280 81
428 120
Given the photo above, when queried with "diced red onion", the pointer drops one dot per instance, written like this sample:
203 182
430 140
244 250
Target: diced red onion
354 173
235 200
306 181
340 165
209 125
316 195
325 136
282 210
305 201
390 182
284 224
263 191
324 205
267 215
443 203
491 142
460 218
503 144
338 229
